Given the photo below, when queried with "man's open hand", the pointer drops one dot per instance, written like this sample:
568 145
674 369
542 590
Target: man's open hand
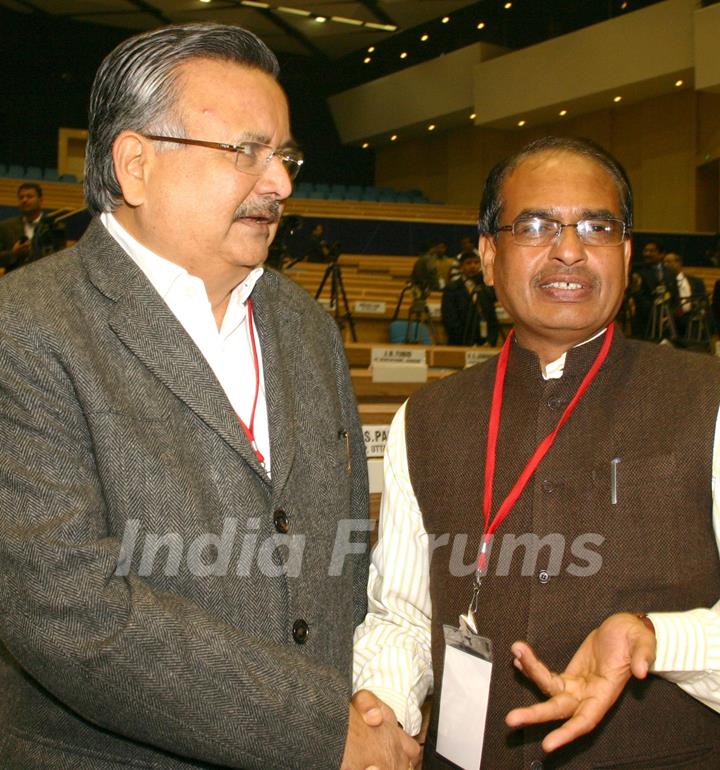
582 694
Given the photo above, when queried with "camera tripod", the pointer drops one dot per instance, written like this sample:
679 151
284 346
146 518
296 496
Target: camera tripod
661 324
337 294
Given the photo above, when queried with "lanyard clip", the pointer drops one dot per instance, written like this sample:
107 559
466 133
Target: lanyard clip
468 622
483 559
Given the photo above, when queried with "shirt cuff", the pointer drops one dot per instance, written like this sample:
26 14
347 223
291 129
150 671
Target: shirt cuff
682 641
410 721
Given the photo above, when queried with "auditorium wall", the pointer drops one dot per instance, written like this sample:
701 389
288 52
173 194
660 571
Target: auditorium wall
663 143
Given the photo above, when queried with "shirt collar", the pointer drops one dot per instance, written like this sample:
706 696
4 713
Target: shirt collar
554 370
161 272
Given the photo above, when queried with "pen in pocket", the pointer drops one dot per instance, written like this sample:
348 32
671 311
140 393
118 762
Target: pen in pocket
614 480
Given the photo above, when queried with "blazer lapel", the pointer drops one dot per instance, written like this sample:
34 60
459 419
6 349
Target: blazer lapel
148 328
277 326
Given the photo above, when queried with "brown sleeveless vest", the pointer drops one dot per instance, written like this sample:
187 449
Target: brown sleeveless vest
654 410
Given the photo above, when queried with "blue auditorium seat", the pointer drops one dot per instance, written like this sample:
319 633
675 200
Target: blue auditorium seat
33 172
302 189
387 196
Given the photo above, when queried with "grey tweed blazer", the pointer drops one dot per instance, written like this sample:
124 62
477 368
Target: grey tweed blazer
169 652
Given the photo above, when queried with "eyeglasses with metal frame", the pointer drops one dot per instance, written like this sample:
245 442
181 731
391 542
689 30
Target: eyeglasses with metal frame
250 157
541 231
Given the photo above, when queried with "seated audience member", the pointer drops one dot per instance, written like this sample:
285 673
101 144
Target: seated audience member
466 303
431 269
691 291
318 249
32 235
467 246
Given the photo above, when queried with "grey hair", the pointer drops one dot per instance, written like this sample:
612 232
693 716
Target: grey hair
492 203
135 89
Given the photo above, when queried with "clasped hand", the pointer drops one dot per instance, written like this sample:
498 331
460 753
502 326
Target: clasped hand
621 647
375 740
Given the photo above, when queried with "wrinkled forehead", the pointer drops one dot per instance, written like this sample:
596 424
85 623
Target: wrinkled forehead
206 86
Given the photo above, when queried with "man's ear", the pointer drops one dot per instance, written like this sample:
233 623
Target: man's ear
130 159
486 248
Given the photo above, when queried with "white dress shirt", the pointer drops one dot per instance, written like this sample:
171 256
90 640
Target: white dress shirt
29 227
684 291
392 654
228 350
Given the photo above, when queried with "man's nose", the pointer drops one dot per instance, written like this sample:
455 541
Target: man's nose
275 179
568 247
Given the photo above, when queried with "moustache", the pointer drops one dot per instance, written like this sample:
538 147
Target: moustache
579 275
268 210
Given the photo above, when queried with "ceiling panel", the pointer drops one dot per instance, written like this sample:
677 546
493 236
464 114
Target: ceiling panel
337 40
64 7
133 21
410 13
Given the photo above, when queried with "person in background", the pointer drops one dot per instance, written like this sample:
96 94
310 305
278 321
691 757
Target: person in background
31 235
468 306
430 270
318 249
691 292
651 283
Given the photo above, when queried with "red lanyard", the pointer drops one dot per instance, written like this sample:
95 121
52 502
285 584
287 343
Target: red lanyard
250 430
495 411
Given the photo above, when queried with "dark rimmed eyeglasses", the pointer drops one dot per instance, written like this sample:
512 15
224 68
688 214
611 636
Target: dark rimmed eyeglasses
250 157
539 231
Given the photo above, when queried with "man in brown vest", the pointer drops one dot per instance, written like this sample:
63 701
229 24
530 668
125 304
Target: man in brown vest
612 518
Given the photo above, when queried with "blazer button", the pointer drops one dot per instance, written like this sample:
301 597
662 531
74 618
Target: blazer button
547 486
536 764
543 576
300 631
281 521
554 403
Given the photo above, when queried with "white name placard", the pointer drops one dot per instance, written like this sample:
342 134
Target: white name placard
435 310
375 439
374 308
398 355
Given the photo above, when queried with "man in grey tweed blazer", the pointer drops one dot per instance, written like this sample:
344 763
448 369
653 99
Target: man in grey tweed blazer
182 474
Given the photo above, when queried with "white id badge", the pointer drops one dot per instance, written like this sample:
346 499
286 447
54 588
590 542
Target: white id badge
464 696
